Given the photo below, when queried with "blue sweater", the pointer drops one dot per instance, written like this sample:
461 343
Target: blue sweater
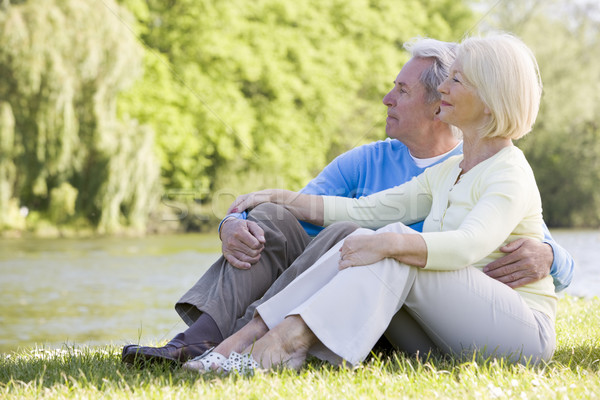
384 164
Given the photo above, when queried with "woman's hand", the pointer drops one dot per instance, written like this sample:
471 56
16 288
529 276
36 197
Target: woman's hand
251 200
364 249
368 249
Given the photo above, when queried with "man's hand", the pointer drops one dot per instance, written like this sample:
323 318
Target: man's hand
242 242
526 261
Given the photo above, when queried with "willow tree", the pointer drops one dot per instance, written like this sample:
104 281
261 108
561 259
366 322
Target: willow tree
65 155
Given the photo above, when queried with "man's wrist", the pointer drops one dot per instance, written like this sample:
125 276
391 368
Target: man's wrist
553 266
224 221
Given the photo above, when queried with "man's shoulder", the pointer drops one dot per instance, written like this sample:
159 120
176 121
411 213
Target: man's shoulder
385 147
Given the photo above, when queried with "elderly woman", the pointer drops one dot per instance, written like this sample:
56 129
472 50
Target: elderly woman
473 204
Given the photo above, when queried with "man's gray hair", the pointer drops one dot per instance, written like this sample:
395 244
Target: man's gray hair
443 55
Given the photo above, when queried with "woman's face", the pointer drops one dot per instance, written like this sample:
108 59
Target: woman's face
461 105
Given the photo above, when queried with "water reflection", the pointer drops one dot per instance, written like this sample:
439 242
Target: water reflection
122 290
96 291
584 246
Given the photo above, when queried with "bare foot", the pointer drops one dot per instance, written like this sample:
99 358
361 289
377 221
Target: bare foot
285 345
253 331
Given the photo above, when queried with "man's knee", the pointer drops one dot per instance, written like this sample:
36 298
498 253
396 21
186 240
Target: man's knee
343 228
279 224
269 212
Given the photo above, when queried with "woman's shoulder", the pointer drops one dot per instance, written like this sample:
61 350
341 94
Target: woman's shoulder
509 167
512 158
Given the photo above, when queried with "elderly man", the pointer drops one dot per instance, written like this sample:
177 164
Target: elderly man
266 249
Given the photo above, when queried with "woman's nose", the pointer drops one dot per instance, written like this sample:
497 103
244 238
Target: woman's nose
442 87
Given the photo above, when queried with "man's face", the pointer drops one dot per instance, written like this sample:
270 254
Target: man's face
407 111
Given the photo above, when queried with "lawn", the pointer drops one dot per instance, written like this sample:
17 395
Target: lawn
96 372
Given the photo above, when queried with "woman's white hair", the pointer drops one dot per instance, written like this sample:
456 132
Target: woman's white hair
505 74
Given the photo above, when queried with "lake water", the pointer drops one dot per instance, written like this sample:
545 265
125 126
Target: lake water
122 290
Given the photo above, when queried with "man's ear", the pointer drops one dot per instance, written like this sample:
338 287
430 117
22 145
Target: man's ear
437 109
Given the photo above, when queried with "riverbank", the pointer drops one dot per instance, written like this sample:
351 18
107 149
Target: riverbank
165 221
96 372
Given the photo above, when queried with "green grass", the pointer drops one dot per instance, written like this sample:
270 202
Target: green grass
83 373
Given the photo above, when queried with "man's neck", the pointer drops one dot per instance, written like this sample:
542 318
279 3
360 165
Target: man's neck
424 162
433 146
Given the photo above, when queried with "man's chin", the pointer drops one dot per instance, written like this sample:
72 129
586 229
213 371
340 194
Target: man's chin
388 131
391 134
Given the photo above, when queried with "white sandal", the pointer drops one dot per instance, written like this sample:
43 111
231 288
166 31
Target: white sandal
241 363
205 361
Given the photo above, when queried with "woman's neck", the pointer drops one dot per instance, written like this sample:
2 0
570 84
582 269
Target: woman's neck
476 149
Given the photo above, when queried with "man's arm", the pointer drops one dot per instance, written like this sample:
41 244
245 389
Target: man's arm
243 240
563 264
528 260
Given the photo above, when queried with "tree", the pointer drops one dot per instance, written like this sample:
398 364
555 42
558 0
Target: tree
244 94
564 148
223 97
63 63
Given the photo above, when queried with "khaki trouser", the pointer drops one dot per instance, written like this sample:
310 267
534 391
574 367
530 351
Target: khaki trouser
457 311
230 295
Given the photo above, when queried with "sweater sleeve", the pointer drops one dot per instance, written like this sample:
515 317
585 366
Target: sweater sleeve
563 264
407 203
339 177
505 200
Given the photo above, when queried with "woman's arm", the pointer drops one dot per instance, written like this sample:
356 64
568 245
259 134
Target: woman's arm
367 249
305 207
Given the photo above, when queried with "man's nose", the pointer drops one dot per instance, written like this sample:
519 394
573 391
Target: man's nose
387 100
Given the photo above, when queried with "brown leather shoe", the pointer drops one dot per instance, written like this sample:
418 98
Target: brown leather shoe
169 354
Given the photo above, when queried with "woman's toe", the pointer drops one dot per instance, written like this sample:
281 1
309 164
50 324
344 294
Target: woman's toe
209 362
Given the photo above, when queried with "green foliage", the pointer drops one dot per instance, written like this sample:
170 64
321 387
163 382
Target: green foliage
9 216
63 63
567 168
218 98
250 94
62 202
564 147
232 96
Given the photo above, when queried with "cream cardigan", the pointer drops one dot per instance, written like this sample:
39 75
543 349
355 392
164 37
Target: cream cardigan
466 222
